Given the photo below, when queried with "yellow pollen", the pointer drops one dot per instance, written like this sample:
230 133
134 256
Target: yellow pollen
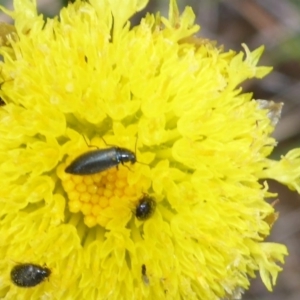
96 195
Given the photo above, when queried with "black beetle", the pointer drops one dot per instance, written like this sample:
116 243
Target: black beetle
2 103
28 275
144 275
145 208
95 161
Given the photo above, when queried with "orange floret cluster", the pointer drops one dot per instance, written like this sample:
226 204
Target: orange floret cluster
98 196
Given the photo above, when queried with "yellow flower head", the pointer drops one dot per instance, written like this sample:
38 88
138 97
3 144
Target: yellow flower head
175 208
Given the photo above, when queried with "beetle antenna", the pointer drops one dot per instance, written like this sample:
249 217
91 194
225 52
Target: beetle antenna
137 136
110 145
142 163
90 146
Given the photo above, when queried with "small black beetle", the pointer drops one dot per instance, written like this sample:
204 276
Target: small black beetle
144 275
2 103
145 208
95 161
28 275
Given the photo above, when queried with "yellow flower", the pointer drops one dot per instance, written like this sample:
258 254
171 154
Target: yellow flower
88 79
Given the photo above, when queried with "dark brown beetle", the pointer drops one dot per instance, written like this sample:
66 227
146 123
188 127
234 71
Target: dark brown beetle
28 275
145 208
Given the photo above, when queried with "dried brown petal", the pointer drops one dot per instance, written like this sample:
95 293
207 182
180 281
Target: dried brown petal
274 109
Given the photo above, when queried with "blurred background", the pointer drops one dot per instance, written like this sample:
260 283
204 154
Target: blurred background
276 24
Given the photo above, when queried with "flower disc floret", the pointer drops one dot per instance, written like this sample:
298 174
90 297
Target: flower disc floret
103 196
